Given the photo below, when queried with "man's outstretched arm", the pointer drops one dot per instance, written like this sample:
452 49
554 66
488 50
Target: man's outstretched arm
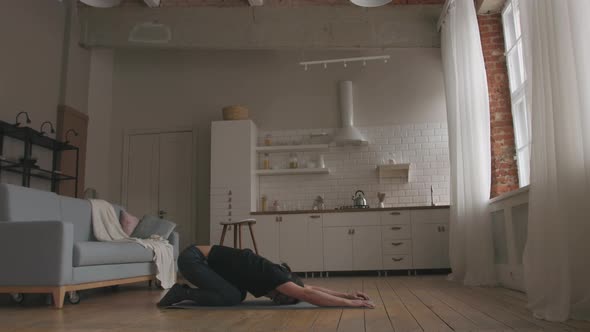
319 298
354 295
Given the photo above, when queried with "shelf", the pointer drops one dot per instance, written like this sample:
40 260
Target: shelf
293 171
394 171
292 148
17 168
33 136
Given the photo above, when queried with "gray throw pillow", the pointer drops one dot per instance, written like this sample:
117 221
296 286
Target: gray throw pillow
152 225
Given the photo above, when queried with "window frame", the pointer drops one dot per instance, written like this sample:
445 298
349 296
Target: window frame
517 86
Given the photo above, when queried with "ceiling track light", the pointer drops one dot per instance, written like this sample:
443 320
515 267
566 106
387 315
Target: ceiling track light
344 61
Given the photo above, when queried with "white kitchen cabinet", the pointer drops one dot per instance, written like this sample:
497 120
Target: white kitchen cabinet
300 241
430 239
352 248
352 241
266 232
366 248
233 182
337 249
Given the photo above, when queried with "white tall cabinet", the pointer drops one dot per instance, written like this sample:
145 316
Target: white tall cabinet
233 182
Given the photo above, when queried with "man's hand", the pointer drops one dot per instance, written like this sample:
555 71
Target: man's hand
354 295
362 303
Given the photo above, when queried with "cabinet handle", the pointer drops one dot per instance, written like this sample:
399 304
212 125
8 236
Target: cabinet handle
438 229
353 231
314 216
229 213
443 229
349 231
396 243
395 228
229 206
229 200
229 193
395 213
397 259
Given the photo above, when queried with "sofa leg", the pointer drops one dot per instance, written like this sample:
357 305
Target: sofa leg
59 295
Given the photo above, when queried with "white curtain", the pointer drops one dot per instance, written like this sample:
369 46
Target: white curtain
468 115
556 36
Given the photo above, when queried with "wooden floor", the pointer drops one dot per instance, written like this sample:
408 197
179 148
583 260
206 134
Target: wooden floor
403 304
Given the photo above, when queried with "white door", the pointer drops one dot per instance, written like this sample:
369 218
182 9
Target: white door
175 183
366 246
337 249
142 175
426 246
159 178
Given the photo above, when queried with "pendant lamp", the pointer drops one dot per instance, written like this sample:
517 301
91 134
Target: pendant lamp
370 3
101 3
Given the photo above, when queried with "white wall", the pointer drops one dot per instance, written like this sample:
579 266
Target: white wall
31 49
164 89
100 105
352 168
31 35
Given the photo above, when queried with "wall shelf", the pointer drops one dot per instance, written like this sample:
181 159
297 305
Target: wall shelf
394 171
292 171
292 148
26 167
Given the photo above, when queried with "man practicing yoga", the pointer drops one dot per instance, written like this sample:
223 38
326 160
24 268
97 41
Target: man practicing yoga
223 275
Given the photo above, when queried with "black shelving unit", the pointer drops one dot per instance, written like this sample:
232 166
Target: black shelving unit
30 138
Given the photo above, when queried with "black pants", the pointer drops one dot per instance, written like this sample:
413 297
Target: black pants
212 289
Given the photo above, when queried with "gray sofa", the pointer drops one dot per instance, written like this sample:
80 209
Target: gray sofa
47 246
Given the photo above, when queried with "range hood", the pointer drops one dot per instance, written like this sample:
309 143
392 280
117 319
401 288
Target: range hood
348 134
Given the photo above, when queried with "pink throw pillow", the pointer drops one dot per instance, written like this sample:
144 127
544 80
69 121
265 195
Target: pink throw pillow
128 222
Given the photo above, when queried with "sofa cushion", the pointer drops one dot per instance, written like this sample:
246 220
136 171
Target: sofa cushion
101 253
77 212
128 222
26 204
152 225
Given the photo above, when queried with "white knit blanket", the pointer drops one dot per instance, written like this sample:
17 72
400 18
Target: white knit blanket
107 228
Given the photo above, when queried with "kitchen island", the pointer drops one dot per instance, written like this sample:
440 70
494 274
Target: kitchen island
367 239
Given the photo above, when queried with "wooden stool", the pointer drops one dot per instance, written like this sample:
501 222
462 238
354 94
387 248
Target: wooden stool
238 232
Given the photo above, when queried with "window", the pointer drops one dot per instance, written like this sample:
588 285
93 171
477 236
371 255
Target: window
517 76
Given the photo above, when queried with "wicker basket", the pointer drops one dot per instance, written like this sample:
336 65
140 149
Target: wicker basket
235 112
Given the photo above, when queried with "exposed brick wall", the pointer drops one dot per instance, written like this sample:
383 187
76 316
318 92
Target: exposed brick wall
504 168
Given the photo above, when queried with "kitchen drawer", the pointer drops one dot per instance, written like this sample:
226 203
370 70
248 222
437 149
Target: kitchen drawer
397 262
431 216
343 219
395 247
396 232
395 217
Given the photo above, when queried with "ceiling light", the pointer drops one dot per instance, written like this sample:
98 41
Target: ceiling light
370 3
101 3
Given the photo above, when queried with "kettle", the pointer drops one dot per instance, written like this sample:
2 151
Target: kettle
359 198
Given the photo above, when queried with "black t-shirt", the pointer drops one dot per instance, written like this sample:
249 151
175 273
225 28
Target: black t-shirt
246 270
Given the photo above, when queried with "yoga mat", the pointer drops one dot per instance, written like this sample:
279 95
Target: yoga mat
246 305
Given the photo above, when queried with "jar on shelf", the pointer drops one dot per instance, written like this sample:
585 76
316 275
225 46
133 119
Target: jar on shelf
266 162
268 140
293 162
263 201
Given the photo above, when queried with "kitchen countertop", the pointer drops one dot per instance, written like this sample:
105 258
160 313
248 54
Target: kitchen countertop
427 207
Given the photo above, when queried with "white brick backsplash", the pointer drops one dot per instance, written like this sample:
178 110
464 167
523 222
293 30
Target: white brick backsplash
352 167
